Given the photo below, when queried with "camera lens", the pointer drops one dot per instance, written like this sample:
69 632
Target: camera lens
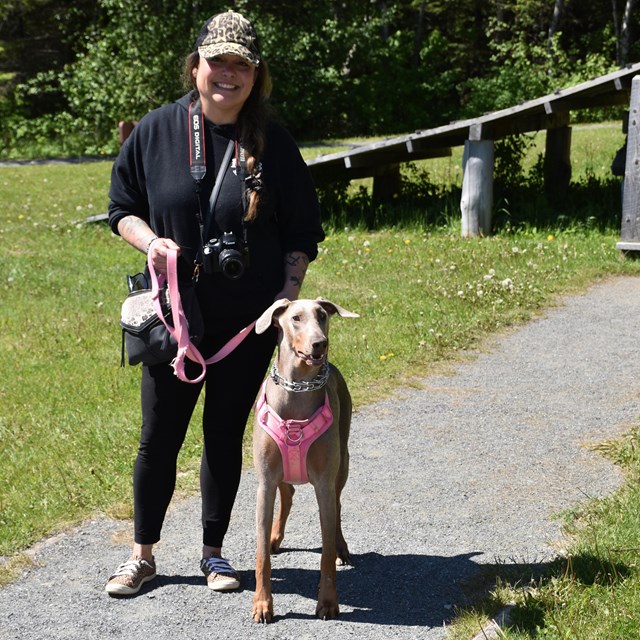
231 264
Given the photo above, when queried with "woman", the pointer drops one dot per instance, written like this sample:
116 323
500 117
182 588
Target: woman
268 212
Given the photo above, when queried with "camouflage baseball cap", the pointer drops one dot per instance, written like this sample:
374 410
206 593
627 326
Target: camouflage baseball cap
228 33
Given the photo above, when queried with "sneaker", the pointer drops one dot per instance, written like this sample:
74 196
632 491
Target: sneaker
129 577
221 576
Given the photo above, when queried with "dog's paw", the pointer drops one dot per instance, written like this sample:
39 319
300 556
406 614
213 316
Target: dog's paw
327 609
343 557
262 611
275 544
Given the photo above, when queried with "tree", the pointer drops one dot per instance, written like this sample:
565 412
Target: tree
126 64
340 68
555 21
625 33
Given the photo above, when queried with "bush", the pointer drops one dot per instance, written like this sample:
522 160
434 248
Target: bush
522 70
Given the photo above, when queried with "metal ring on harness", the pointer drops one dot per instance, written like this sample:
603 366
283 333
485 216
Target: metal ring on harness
290 439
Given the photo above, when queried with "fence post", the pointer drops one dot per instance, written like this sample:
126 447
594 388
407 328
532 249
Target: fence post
476 203
630 228
386 184
557 161
125 127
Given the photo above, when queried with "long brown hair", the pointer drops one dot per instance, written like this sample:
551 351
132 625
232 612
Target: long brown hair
252 125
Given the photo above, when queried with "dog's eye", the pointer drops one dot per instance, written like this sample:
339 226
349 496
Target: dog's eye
296 318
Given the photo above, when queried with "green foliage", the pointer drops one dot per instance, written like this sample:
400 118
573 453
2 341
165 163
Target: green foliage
510 153
344 78
127 67
340 69
522 68
389 95
53 135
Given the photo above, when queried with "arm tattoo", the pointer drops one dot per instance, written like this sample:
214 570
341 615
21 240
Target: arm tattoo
297 282
295 268
293 260
135 231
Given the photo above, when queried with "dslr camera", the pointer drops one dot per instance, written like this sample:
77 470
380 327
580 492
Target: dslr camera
227 255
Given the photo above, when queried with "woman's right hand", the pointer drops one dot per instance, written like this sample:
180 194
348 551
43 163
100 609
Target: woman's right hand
157 252
139 235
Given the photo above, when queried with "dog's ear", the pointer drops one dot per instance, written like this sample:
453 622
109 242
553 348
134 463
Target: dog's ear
268 316
332 307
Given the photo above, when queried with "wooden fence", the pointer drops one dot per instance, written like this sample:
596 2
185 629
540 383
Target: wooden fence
381 160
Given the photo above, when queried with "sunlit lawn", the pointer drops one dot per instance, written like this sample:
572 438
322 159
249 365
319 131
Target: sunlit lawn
69 414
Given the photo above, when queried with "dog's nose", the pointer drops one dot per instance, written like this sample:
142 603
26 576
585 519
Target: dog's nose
319 346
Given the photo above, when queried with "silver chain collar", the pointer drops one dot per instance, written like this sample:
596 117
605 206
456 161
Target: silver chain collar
297 387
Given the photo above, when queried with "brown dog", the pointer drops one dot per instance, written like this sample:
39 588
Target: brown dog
304 398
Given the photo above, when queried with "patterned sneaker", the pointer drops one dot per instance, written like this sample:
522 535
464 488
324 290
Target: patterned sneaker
129 577
221 576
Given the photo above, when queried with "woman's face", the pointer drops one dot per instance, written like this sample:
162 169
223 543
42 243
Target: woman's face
224 84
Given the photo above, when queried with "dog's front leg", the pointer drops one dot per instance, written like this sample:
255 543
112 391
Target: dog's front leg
263 599
327 593
286 501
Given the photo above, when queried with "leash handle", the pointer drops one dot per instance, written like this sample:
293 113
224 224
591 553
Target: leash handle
180 329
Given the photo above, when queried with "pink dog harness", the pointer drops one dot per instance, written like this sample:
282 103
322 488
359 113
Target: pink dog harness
293 437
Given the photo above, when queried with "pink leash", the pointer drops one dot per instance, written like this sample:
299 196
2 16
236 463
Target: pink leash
180 329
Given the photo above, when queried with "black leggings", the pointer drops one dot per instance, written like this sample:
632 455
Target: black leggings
167 405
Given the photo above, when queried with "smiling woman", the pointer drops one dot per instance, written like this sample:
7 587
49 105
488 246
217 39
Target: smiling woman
228 64
206 176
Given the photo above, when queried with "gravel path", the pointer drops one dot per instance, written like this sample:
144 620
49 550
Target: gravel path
447 481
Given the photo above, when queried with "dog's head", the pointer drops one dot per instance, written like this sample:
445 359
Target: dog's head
303 325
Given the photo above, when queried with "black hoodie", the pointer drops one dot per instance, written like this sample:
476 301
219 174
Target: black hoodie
151 179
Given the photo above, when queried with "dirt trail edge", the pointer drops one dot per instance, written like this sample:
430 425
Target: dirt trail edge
447 481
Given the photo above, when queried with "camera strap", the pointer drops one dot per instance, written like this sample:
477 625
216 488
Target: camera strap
198 167
197 151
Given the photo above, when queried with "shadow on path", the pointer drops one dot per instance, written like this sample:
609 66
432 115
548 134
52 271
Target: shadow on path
400 590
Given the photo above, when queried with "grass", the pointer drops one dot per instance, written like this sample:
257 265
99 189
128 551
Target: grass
69 414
